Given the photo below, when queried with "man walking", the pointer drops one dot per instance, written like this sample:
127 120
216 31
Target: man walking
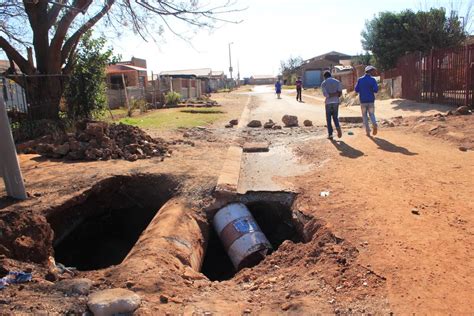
332 90
299 85
278 88
367 87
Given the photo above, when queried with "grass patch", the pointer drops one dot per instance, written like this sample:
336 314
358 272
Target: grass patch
173 118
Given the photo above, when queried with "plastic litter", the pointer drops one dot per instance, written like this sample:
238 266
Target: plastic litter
324 193
350 133
56 267
15 277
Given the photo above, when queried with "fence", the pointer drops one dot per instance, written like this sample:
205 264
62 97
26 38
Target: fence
444 76
31 102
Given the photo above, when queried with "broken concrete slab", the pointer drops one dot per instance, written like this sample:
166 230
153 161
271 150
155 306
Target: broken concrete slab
256 147
229 176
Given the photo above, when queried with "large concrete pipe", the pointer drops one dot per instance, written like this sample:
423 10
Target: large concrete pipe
241 236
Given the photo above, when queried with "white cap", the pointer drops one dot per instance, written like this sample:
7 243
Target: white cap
369 68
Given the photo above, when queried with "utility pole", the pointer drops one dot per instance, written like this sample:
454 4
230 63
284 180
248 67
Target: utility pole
230 62
9 166
238 73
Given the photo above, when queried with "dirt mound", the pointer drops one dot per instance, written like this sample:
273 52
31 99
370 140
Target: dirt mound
25 236
100 141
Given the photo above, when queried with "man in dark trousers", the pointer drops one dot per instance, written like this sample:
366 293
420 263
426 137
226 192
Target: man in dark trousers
332 90
299 86
366 87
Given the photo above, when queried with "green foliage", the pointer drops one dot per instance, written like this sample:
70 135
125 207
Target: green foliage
391 35
363 59
86 92
172 98
289 67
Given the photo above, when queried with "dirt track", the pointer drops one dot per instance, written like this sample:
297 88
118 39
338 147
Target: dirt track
393 235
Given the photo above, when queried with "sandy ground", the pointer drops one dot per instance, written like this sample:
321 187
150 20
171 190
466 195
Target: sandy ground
394 234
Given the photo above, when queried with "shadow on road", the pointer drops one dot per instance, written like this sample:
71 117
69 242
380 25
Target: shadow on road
346 150
388 146
407 105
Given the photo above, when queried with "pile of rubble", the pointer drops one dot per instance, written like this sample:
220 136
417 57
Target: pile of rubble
101 141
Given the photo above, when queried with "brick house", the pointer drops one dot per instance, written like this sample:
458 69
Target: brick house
133 71
312 70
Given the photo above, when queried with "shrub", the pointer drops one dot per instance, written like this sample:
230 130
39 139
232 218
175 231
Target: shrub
172 98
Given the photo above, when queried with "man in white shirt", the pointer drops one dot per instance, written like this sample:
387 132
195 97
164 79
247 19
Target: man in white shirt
332 90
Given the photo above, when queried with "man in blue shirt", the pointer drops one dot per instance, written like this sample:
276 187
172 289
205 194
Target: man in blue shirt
278 88
332 90
367 87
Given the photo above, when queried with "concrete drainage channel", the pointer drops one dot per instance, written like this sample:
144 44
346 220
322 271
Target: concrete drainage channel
124 218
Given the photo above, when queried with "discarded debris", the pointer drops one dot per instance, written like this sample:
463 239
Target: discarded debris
350 133
415 211
324 193
14 277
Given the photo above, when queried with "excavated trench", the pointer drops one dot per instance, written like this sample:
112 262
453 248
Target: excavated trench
100 230
276 220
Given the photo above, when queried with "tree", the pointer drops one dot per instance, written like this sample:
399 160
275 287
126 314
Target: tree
363 59
56 27
289 67
391 35
85 93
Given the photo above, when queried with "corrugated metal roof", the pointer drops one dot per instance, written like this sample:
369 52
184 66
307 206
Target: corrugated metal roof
263 77
201 72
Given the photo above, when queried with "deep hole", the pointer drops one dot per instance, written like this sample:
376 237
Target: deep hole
276 221
102 230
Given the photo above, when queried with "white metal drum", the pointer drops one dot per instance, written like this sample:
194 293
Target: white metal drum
240 234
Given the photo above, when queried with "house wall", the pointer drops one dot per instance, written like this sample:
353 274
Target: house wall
393 86
347 79
258 81
116 97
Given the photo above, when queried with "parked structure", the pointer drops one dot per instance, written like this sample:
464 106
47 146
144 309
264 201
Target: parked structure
311 71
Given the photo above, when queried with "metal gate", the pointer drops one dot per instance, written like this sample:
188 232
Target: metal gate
312 78
442 76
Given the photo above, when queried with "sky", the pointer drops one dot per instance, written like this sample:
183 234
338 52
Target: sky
270 31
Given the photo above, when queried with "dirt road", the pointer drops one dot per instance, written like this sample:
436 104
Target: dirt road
394 234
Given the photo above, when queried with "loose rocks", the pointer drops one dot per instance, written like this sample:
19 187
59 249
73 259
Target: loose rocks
290 120
269 124
234 122
101 141
80 286
462 110
254 123
307 123
113 301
